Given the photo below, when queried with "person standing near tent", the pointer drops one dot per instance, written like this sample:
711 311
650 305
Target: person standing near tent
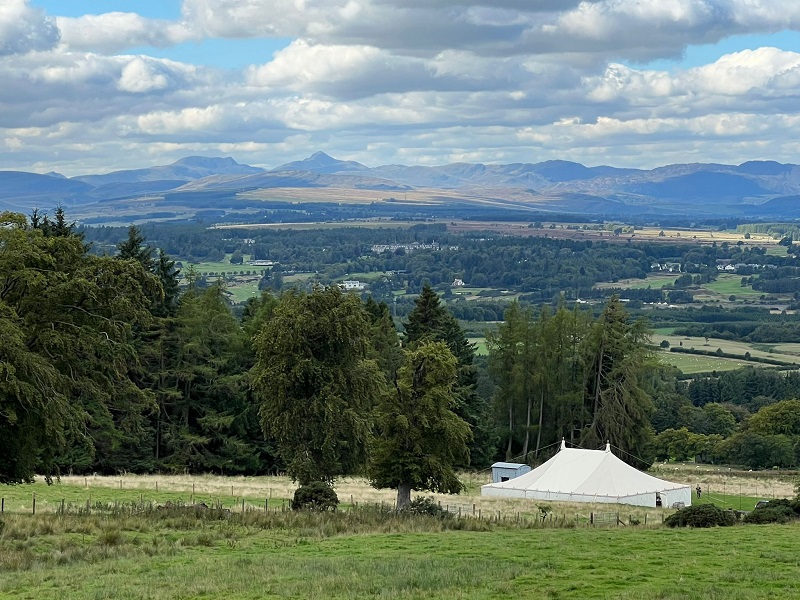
699 491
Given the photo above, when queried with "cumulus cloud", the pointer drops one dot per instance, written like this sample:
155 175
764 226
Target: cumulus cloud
477 80
117 31
24 28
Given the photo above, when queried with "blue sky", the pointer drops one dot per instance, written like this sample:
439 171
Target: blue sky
94 86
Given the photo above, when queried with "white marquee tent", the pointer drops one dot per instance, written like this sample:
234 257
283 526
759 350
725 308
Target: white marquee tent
575 475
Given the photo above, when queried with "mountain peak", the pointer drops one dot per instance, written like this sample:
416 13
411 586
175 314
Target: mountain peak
319 162
321 158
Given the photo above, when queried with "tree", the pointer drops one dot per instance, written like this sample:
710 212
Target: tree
431 321
779 418
617 407
204 407
66 321
418 437
315 384
134 248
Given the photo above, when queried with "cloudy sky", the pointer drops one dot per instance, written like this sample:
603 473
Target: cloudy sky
90 86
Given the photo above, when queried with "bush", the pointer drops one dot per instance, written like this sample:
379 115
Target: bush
774 511
770 514
425 505
701 515
316 495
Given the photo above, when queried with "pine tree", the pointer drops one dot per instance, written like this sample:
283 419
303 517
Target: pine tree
430 321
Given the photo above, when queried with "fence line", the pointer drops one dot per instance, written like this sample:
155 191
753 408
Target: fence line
544 518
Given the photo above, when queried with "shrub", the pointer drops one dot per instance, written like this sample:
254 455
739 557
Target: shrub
770 514
774 511
316 495
425 505
701 515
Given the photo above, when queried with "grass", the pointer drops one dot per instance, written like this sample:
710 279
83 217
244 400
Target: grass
728 284
689 363
655 281
367 553
84 557
480 345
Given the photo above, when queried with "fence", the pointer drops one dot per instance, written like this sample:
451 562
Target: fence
544 518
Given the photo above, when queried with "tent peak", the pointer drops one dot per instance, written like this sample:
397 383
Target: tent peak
608 446
563 444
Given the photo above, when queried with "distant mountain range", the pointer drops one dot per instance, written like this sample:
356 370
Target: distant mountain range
752 190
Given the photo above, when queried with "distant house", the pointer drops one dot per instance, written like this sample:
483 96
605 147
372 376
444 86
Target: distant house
352 285
260 263
669 267
458 282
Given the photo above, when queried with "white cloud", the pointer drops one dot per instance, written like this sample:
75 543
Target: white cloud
118 31
24 28
423 81
140 75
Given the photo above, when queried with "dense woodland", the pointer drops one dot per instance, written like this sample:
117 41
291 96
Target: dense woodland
110 361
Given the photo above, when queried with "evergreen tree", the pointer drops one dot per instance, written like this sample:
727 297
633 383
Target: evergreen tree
134 248
430 321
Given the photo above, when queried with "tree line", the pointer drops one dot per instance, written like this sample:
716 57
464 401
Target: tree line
107 364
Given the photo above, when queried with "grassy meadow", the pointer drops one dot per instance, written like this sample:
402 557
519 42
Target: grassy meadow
123 546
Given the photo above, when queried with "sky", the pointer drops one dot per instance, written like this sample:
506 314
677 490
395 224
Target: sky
92 86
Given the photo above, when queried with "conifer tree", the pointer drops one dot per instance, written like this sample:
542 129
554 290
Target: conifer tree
430 321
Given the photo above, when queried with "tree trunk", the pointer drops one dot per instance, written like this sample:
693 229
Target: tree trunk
541 414
527 429
510 429
403 495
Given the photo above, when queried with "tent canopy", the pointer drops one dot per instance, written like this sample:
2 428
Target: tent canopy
576 475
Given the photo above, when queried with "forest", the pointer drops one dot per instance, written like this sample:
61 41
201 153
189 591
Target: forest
114 360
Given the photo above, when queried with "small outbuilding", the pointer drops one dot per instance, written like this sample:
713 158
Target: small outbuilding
503 471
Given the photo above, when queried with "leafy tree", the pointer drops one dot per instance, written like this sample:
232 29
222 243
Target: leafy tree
315 382
758 451
779 418
418 437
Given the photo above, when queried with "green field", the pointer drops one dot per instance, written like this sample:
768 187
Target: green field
480 345
175 556
123 546
691 364
655 281
728 284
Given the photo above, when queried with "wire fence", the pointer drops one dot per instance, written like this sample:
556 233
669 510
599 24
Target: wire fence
240 506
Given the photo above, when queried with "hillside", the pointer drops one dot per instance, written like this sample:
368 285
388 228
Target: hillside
752 190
